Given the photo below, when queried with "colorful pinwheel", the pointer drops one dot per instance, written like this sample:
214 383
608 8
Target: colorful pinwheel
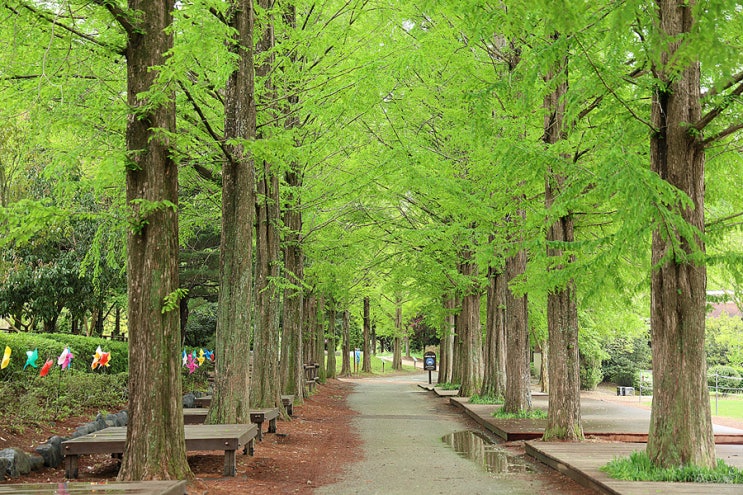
105 359
185 360
6 358
191 364
47 366
201 357
65 359
209 355
32 357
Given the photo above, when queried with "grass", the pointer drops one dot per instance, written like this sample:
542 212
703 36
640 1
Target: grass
448 386
728 407
637 467
379 366
486 399
523 414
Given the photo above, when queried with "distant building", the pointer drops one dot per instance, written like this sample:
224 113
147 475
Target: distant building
720 302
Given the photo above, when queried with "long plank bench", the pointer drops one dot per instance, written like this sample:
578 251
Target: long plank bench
197 416
117 488
112 440
286 400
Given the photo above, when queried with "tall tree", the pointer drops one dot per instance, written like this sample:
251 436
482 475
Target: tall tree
155 446
680 424
563 419
367 345
231 398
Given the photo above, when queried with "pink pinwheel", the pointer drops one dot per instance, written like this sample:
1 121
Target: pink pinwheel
6 358
191 364
47 366
65 358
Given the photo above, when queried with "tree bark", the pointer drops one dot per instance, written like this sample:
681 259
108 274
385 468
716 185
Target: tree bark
231 395
330 368
518 377
346 345
155 446
494 379
680 424
469 331
397 341
321 338
292 372
446 347
266 389
563 417
366 364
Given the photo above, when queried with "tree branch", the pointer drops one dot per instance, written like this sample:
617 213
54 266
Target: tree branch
44 16
205 122
723 134
716 111
119 14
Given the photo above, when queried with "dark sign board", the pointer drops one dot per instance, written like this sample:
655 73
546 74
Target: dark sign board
429 361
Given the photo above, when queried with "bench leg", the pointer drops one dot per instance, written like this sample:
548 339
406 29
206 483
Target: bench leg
70 466
260 432
290 409
250 447
272 425
230 463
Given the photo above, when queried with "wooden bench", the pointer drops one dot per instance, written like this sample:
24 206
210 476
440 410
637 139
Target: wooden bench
118 488
197 416
112 440
286 400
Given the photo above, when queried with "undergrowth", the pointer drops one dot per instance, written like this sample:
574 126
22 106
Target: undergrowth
638 467
486 399
448 386
522 414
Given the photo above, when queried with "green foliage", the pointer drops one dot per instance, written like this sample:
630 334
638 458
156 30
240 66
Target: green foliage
638 467
172 300
51 345
726 379
724 340
43 399
448 386
486 399
627 357
590 372
523 414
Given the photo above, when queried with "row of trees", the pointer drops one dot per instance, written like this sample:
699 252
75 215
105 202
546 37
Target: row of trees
393 160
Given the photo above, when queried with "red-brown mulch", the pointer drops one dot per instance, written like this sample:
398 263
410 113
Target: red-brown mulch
308 451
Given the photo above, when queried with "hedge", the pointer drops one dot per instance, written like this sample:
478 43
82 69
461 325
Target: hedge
51 345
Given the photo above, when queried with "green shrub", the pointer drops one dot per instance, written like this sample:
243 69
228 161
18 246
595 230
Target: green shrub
51 345
486 399
590 372
60 395
448 386
637 467
725 378
626 359
523 414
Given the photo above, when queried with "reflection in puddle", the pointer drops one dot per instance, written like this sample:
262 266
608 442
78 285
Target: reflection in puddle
476 447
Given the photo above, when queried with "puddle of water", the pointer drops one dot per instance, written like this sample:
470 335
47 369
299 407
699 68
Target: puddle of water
479 449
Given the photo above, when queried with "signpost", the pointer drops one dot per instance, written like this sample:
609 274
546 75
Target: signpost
429 363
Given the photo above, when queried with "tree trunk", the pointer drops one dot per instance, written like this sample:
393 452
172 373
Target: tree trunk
330 371
292 342
346 345
292 353
469 331
680 425
155 446
446 348
397 342
544 377
494 380
366 364
266 389
563 417
231 397
321 338
518 376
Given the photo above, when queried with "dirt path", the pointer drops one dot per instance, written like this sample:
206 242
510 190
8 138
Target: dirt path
401 427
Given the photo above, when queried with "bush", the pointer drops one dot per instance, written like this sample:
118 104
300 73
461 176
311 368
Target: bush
590 372
60 395
627 359
727 379
51 345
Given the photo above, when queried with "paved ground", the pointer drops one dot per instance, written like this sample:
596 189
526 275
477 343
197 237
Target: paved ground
403 427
